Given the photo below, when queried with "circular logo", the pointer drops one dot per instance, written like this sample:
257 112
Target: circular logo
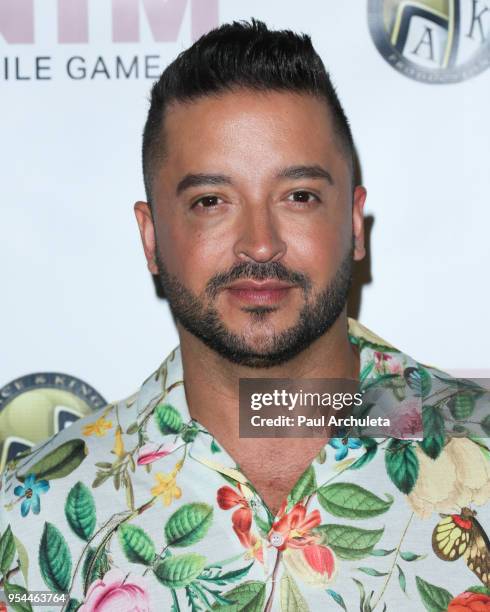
35 407
432 41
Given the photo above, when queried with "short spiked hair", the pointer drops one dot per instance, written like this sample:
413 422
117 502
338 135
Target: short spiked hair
235 56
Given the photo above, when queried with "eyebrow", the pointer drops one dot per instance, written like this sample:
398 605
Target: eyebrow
291 172
311 172
197 180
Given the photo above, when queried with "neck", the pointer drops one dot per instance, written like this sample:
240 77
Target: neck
211 381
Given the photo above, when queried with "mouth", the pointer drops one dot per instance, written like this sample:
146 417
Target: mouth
265 293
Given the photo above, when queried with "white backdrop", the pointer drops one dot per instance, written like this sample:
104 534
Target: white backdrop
76 295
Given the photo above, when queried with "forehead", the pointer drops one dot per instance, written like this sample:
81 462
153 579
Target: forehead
243 126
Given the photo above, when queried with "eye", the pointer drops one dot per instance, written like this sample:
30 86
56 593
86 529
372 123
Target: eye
303 197
209 201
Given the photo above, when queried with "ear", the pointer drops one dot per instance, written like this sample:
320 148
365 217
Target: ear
358 222
144 218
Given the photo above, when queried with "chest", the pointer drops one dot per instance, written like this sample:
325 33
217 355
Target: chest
273 469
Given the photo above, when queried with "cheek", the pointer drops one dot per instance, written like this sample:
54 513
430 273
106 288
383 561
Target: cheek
317 248
193 255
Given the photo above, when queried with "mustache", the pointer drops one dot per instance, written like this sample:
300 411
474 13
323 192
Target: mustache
257 271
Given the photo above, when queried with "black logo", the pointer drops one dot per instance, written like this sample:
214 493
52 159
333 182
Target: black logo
433 41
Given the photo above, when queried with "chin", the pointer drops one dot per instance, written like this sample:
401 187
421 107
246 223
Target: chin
255 357
256 325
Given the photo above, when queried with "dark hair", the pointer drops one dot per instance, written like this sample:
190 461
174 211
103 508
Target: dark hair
240 55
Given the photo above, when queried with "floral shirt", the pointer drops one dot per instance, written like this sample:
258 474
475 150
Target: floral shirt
137 508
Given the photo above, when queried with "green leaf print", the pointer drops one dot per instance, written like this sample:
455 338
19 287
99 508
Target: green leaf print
80 511
246 597
322 456
348 500
23 559
221 579
382 552
364 605
399 388
188 524
180 570
370 571
337 598
263 525
402 581
136 544
485 425
99 568
434 437
73 605
290 596
60 462
175 602
101 478
349 542
7 550
380 348
214 447
402 465
189 433
479 588
419 380
193 596
462 405
410 556
366 370
133 428
202 591
168 419
54 559
371 447
15 591
305 486
434 598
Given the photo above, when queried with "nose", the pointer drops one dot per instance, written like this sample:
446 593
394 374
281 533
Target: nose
259 239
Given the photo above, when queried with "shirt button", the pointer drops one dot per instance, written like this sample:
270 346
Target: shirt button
276 539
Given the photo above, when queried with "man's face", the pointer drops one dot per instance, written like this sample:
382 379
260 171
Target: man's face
254 224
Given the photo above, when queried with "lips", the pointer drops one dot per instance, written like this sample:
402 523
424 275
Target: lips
263 293
265 285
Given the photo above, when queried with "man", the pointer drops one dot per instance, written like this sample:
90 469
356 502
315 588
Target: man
252 222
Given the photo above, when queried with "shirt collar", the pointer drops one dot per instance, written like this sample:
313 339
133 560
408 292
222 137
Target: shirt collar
169 376
166 386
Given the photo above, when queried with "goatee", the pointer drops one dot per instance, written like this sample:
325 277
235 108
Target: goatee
319 312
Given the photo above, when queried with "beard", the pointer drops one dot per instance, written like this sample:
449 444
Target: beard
317 315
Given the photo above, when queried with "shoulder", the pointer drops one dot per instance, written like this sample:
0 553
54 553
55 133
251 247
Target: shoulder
66 452
377 350
98 434
72 438
451 405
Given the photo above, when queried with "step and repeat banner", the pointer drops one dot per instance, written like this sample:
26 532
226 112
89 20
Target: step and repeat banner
81 323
